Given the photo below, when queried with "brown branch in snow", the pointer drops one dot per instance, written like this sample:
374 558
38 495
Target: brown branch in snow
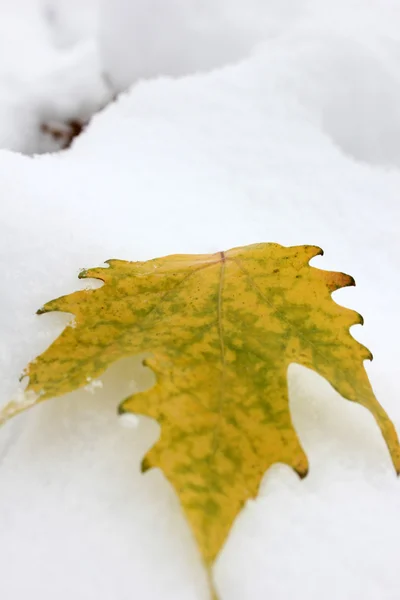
64 133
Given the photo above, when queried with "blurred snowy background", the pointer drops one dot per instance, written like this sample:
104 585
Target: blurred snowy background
212 124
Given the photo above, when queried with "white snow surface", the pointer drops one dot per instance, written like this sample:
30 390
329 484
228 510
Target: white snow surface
288 133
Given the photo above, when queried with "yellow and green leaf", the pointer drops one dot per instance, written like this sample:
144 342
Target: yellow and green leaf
221 331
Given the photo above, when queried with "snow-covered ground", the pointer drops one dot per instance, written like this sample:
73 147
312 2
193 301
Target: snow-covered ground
246 121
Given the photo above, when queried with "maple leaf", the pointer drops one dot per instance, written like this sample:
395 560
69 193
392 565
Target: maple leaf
221 331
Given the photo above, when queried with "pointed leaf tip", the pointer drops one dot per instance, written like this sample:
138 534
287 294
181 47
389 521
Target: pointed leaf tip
145 465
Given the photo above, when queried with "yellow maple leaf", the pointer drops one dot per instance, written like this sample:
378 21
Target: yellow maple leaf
221 330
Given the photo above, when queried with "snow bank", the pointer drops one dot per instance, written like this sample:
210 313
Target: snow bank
49 70
294 143
146 39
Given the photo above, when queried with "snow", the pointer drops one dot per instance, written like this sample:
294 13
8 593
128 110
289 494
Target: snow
195 36
288 132
50 71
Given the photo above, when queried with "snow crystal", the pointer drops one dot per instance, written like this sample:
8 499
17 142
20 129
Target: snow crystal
130 421
93 385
